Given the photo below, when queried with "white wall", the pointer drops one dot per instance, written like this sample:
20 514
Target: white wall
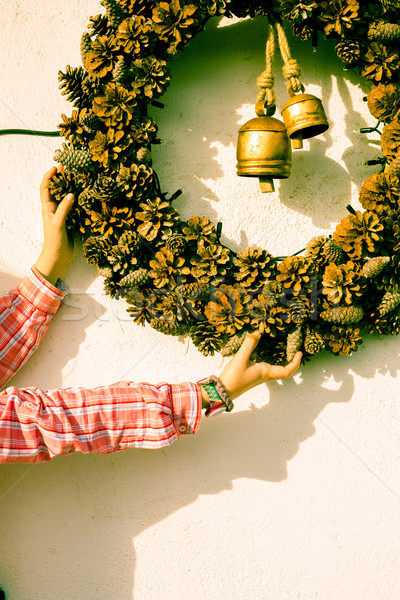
295 494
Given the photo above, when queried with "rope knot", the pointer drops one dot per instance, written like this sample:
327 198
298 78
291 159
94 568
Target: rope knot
266 80
291 69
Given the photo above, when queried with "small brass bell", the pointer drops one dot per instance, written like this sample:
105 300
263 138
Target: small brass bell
304 117
264 151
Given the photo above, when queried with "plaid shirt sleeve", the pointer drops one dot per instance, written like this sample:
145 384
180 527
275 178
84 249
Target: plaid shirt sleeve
25 314
35 426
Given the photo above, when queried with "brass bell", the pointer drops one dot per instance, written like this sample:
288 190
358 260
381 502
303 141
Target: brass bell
304 117
264 151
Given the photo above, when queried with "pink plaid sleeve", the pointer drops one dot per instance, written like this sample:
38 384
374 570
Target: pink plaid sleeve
25 314
35 426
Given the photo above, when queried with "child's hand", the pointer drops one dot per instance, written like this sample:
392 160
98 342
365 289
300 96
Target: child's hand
57 248
241 375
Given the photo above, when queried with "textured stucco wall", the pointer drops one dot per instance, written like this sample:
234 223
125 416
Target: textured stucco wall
295 494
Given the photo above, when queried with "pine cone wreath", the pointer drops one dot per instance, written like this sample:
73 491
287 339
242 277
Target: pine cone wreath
207 338
294 343
343 340
374 266
254 267
343 314
313 342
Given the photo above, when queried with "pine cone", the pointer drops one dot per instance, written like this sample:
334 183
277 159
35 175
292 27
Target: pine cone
349 51
303 30
394 167
116 107
100 60
86 200
296 273
173 23
299 309
74 159
266 315
359 234
380 192
130 242
158 218
136 279
198 228
166 268
105 272
206 338
110 223
389 302
380 63
384 101
115 14
389 324
338 16
107 148
332 253
71 85
133 36
105 189
211 262
112 288
152 76
292 10
313 342
71 128
86 46
120 72
255 267
390 140
95 250
227 310
91 123
175 242
234 343
122 262
195 291
135 180
343 282
91 87
99 26
138 308
61 184
168 327
294 343
343 314
137 7
315 249
343 340
374 266
145 132
384 32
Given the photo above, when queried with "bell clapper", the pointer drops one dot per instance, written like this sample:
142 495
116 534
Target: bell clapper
266 184
297 140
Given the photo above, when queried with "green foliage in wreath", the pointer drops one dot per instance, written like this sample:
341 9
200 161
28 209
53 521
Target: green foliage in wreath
177 275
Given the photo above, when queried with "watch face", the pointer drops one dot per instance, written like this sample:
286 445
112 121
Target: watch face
218 410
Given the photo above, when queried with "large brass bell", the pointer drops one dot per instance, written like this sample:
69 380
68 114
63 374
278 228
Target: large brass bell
304 117
264 151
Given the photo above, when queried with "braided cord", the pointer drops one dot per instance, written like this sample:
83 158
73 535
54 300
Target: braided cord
291 69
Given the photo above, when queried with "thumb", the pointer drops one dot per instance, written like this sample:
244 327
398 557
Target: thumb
247 347
63 209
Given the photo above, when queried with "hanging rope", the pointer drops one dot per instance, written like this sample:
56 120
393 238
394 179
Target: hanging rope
291 69
266 99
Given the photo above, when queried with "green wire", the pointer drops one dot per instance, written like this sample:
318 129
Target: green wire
30 132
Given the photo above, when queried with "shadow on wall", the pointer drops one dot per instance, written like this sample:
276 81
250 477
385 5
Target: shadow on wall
133 490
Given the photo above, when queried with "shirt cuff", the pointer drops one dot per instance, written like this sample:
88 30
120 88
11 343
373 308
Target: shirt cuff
186 406
41 293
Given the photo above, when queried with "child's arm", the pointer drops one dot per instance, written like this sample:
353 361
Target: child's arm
35 426
25 312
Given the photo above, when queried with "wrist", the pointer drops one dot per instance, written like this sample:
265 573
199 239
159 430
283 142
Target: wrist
48 269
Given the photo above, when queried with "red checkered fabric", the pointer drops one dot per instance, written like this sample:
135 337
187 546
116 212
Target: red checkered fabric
35 425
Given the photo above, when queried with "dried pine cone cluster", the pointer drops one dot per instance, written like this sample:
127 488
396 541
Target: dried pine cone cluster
177 275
